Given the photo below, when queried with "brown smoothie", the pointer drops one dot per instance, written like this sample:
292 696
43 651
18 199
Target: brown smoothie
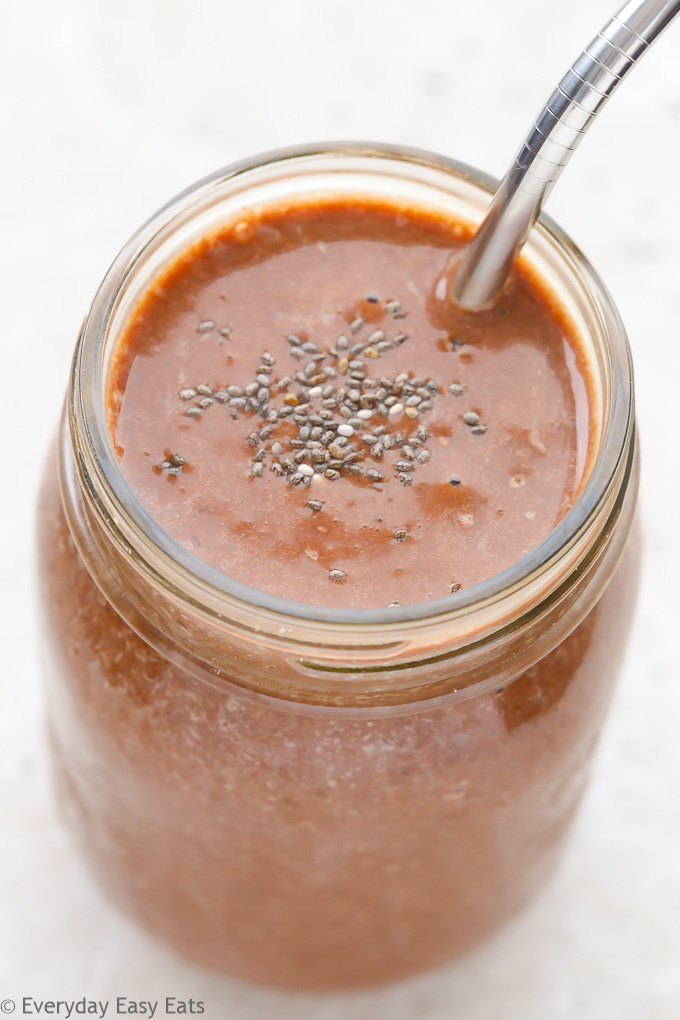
294 405
292 402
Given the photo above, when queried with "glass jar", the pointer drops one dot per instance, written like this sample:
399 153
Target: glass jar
310 797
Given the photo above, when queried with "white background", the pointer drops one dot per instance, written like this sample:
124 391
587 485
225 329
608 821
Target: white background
108 110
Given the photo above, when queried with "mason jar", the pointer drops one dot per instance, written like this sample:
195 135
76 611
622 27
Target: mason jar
305 796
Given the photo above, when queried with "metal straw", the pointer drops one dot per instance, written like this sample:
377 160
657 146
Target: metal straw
561 125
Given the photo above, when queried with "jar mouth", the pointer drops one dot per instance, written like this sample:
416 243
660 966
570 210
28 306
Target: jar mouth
157 552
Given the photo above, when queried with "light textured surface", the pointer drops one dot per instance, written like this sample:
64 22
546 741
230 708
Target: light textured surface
107 110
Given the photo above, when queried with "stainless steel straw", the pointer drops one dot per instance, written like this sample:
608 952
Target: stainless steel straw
561 125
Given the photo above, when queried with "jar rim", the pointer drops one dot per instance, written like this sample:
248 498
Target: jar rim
207 588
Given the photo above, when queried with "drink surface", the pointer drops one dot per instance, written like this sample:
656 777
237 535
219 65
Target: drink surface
292 402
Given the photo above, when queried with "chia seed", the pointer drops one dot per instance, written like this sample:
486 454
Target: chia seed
325 436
